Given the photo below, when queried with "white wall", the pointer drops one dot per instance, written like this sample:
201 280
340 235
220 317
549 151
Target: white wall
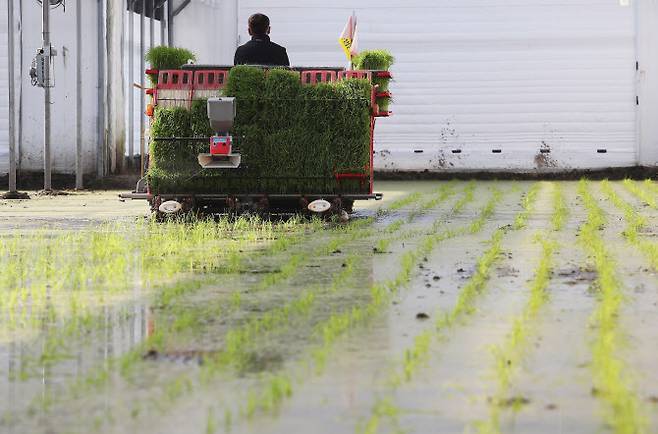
63 146
449 64
479 75
197 28
647 47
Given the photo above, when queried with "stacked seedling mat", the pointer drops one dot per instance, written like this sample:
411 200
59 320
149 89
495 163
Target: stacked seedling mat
294 138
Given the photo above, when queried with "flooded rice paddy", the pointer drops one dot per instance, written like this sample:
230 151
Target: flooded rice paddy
482 307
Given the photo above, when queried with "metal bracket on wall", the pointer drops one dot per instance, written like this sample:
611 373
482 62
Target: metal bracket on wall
180 7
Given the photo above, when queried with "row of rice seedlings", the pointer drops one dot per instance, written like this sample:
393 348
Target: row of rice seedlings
613 380
441 194
405 201
415 355
509 354
634 224
560 210
646 197
527 203
650 185
167 296
467 197
381 294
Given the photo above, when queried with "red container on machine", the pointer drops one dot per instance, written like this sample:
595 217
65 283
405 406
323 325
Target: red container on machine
220 145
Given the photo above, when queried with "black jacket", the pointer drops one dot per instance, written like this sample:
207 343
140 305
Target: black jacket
261 51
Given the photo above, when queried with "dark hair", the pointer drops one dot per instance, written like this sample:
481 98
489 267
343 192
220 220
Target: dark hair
258 24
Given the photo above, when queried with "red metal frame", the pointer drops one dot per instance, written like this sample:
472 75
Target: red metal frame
383 74
210 79
362 74
175 79
317 76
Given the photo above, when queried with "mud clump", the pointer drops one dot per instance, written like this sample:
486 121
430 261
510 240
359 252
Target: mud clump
511 402
576 275
190 356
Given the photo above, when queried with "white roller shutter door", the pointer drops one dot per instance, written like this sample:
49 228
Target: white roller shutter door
4 93
485 84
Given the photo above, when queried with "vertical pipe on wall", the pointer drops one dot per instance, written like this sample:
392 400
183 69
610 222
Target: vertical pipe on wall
100 153
78 95
19 144
12 97
131 80
152 25
162 23
142 102
170 23
45 9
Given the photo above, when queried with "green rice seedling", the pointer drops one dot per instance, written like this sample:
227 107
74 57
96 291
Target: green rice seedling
228 420
650 185
383 409
527 203
405 201
634 224
612 377
377 60
163 57
560 210
211 422
438 196
467 198
643 195
200 123
382 245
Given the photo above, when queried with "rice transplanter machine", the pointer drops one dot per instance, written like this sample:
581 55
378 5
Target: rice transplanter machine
180 87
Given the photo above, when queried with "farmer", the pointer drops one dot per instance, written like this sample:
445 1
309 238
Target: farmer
260 50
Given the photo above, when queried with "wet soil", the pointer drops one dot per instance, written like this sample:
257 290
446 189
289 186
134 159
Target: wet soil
143 368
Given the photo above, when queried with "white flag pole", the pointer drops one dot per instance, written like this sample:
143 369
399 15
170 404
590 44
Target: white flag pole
351 64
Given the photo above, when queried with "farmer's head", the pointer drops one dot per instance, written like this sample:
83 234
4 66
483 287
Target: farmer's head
259 24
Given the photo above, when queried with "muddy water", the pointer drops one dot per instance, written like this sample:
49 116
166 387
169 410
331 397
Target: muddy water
168 387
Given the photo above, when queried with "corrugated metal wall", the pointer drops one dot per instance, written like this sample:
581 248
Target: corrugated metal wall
474 77
4 93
